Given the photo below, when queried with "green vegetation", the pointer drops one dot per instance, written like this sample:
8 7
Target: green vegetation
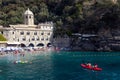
84 16
2 38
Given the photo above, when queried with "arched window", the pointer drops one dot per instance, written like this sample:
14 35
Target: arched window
29 16
26 16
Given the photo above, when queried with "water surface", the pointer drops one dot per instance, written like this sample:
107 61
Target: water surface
61 66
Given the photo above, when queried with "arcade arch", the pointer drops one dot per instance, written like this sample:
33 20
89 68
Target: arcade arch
40 45
49 44
31 45
23 45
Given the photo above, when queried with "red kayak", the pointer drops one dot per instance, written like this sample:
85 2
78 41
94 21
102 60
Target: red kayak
91 68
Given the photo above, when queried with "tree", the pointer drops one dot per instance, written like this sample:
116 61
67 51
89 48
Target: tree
43 14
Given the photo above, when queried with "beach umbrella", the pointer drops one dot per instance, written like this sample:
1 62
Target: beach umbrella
8 48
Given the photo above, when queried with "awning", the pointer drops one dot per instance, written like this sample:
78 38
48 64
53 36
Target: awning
2 42
13 43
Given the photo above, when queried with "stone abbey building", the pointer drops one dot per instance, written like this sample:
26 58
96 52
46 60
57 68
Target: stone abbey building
29 34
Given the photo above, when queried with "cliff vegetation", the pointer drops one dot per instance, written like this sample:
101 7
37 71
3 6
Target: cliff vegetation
69 16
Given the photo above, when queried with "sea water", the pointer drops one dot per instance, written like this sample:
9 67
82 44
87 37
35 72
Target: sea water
61 66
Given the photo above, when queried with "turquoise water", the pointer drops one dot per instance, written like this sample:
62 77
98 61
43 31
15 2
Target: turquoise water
61 66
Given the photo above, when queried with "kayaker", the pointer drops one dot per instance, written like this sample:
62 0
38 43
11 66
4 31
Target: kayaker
95 65
89 64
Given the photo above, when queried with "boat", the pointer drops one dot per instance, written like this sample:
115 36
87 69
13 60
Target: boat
91 67
20 62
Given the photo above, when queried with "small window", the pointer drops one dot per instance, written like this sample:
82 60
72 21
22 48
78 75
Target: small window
38 39
46 39
39 27
48 33
42 39
42 33
29 16
28 33
33 39
22 33
35 33
1 32
24 39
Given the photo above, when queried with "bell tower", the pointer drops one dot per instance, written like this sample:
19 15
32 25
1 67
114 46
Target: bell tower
28 17
114 1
